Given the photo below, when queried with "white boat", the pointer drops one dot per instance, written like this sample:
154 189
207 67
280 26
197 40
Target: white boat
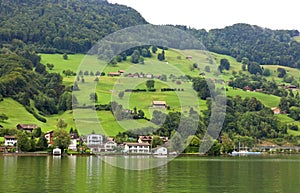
244 152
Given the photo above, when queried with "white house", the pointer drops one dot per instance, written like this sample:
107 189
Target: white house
10 140
160 151
73 145
95 142
139 148
110 146
94 139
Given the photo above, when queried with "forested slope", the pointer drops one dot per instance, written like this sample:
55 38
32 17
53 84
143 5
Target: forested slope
62 26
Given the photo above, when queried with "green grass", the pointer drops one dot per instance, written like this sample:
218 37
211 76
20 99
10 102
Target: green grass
267 100
297 38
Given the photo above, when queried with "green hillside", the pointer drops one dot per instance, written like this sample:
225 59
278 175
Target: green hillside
108 88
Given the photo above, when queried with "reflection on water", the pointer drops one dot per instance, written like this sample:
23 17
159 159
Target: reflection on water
138 162
188 174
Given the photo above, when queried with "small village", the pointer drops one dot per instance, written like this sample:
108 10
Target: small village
90 144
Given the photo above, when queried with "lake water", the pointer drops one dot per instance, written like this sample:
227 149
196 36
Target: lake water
185 174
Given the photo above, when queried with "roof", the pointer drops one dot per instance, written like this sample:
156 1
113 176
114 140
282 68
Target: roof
27 126
9 137
137 144
114 73
159 103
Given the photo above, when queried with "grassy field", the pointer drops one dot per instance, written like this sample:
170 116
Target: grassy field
267 100
108 88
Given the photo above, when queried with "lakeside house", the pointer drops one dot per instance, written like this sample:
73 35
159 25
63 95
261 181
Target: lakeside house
49 137
110 146
159 104
73 145
27 127
10 140
137 148
94 142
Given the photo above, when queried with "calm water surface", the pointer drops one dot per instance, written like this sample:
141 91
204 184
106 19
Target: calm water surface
186 174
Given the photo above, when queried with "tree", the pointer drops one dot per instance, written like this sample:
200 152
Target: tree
156 141
266 72
254 68
23 142
225 64
284 105
281 72
61 139
176 142
158 117
94 97
150 84
227 145
154 49
37 132
3 117
42 143
61 124
135 57
161 56
121 94
207 69
50 66
65 56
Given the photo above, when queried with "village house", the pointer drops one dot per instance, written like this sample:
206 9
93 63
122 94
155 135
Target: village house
160 151
121 71
73 145
110 146
150 76
160 104
10 140
27 127
49 137
138 148
114 74
189 57
276 110
148 139
94 142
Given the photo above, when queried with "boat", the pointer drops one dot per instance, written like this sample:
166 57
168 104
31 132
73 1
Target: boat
244 152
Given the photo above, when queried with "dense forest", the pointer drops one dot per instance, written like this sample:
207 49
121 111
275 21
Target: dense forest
62 26
252 43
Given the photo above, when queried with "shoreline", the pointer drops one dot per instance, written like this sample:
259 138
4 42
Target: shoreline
39 154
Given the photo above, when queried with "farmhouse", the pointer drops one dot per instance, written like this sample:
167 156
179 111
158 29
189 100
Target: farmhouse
276 110
10 140
27 127
189 57
139 148
121 71
160 104
114 74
